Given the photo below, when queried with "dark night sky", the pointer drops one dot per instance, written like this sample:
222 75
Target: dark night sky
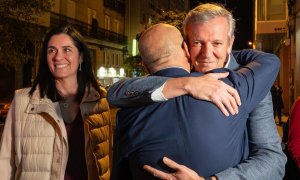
243 13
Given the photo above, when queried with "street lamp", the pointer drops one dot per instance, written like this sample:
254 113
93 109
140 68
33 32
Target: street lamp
250 44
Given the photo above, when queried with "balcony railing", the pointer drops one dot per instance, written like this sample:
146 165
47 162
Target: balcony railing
87 30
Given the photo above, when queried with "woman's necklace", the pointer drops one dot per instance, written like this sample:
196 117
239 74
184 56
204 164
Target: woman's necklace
66 101
69 109
65 104
68 105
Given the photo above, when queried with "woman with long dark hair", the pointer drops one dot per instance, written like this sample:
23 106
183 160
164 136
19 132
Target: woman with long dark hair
60 127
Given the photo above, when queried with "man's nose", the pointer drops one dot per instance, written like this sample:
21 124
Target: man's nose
206 51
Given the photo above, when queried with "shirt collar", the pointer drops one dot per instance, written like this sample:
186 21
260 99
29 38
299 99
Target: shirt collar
227 63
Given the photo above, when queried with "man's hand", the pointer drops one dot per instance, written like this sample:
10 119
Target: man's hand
181 172
207 87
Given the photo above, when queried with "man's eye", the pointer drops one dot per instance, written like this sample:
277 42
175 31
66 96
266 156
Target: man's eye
217 44
197 43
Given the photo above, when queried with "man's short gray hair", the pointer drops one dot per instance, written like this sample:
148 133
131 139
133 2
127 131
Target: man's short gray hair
205 12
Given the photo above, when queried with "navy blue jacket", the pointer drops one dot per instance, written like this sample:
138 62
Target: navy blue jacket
191 132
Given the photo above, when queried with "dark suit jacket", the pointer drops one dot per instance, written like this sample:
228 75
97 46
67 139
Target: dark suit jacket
192 132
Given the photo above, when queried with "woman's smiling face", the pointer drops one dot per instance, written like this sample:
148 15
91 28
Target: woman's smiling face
63 57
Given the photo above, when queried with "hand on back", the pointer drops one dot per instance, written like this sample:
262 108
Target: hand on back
208 87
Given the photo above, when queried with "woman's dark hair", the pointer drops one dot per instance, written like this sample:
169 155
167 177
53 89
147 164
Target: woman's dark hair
45 79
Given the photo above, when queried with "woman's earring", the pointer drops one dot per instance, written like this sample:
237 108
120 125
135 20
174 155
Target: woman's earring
80 67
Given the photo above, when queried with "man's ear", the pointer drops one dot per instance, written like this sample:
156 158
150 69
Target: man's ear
146 67
186 50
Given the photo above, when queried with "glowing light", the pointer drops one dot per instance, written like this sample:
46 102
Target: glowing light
101 72
133 47
112 72
122 72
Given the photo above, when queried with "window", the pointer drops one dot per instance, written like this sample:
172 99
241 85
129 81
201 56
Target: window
271 10
107 22
116 26
114 59
107 58
118 60
71 9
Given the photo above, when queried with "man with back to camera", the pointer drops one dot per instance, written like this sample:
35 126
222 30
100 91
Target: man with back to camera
184 134
210 49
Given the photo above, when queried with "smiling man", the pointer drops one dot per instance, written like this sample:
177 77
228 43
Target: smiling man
209 32
192 132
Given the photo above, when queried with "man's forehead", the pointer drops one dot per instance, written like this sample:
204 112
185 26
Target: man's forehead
214 34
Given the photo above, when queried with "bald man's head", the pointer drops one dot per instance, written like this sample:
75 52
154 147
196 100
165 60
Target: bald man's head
160 46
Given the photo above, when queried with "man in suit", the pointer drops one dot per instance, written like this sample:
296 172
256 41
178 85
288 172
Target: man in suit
209 31
187 130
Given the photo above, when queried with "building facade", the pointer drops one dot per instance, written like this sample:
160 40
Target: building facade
294 37
277 31
110 28
102 24
140 13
